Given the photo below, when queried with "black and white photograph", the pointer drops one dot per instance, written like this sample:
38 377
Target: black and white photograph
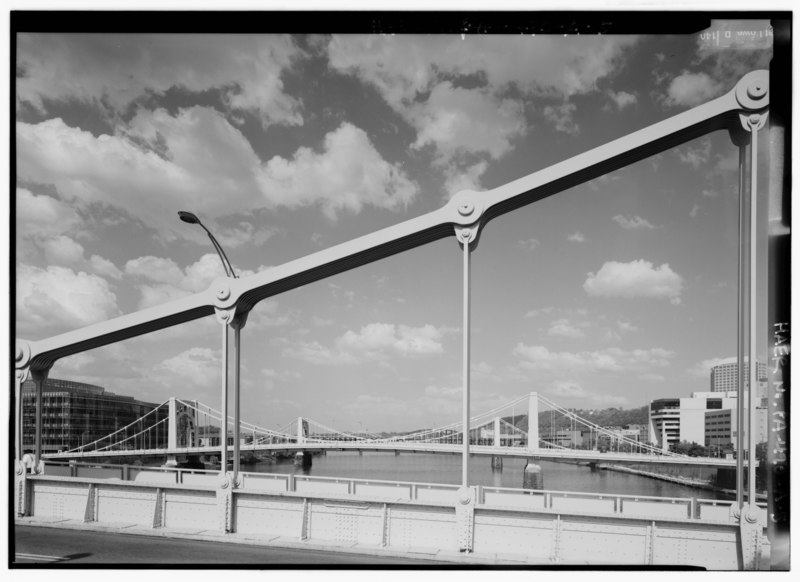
399 289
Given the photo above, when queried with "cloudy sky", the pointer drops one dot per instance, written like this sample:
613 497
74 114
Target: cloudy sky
609 294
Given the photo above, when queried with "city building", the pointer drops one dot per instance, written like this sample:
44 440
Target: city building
684 419
76 414
721 427
724 376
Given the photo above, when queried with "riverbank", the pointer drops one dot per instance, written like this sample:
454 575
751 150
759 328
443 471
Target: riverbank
695 482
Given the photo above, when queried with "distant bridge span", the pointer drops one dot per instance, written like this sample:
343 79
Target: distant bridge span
420 447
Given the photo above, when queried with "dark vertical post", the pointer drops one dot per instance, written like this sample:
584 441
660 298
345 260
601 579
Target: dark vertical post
778 293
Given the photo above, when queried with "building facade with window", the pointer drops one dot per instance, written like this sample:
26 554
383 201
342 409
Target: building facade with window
725 376
75 414
722 429
684 419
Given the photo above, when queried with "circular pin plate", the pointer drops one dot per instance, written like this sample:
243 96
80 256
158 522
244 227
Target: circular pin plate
752 91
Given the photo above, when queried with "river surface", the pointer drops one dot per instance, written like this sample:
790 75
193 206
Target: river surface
431 468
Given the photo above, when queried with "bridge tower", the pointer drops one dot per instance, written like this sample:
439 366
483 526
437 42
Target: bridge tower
533 421
172 433
302 430
497 440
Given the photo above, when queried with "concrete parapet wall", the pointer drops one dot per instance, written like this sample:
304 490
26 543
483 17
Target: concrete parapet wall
537 527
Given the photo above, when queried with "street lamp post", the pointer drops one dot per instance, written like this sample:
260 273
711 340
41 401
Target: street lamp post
237 322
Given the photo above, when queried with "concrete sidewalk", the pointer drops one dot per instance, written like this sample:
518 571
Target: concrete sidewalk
337 551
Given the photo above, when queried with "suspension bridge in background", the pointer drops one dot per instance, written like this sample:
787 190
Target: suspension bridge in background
189 427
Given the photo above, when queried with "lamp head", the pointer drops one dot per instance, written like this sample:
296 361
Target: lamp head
188 217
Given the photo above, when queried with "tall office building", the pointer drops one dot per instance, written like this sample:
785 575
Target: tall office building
724 376
76 414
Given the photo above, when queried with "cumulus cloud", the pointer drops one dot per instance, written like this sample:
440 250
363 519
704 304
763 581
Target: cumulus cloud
46 228
58 299
43 216
401 67
167 281
207 165
635 279
622 99
703 369
460 177
633 222
373 342
377 339
314 352
564 328
195 367
347 175
577 237
697 154
246 69
104 267
690 89
561 117
62 250
535 357
419 77
457 120
529 244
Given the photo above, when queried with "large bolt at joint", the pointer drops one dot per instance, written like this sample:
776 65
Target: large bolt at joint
466 209
754 119
223 293
751 514
756 91
465 233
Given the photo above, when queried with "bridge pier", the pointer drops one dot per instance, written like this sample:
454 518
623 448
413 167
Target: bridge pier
497 463
532 477
303 459
593 466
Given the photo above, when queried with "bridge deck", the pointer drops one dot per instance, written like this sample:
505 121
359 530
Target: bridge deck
513 452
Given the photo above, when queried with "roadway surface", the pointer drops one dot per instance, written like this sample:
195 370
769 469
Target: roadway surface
51 547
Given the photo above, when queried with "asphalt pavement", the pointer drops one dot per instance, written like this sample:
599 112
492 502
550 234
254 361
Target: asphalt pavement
53 547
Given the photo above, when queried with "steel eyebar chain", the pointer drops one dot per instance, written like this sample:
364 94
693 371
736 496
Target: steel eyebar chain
749 95
464 209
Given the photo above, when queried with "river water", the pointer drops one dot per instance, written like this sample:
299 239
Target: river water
431 468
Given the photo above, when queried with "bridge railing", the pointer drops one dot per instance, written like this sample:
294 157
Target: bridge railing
376 489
